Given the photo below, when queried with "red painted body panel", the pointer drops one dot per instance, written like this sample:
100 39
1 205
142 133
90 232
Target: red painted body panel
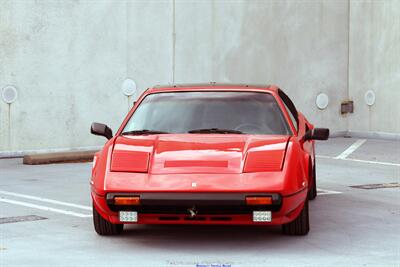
198 153
223 163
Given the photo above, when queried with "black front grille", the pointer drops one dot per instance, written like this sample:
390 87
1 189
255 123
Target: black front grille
202 204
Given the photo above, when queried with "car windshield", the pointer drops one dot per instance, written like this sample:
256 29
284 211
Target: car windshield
208 112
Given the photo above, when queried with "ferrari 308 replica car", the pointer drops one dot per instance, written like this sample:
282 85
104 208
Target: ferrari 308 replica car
207 154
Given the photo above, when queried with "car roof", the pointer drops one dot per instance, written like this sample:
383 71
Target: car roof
211 86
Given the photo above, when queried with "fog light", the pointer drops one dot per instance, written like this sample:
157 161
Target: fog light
262 216
128 216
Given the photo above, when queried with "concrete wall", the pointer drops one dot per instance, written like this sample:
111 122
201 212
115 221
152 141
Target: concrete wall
375 65
69 58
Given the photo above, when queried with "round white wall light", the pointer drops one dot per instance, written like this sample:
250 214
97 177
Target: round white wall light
369 98
128 87
322 101
9 94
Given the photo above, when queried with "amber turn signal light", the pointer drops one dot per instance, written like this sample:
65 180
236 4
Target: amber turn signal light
126 200
258 200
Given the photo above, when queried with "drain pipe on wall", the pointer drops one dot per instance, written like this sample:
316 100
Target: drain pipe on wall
173 41
9 95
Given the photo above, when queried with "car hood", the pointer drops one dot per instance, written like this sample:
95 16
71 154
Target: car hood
198 153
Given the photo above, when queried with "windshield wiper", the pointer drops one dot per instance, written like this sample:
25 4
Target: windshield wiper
215 130
142 132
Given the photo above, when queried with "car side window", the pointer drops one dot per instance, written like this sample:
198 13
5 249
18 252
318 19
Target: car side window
290 108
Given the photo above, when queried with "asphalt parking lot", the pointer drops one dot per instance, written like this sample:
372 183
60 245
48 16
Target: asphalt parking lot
349 226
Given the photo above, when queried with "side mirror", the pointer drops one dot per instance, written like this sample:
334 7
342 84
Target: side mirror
101 129
316 134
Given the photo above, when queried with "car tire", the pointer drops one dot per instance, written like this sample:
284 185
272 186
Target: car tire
301 225
104 227
312 194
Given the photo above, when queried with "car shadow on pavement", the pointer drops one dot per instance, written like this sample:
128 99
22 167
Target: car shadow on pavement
201 236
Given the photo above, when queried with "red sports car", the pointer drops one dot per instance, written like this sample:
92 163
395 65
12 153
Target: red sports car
207 154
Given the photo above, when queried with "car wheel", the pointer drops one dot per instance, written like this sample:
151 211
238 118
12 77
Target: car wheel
312 194
104 227
300 226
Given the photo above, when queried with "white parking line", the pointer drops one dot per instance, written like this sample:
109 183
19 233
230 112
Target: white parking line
351 149
375 162
46 200
361 160
321 192
40 207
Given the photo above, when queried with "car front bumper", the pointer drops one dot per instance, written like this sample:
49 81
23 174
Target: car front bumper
210 208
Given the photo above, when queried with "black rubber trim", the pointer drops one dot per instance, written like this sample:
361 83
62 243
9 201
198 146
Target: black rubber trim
292 108
205 203
193 198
